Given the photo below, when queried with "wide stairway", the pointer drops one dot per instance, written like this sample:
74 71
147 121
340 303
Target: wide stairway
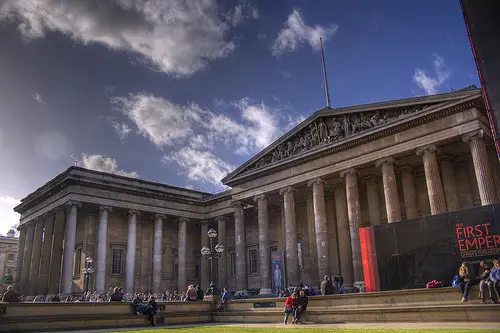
417 305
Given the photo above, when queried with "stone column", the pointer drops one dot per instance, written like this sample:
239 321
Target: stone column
484 176
35 257
204 265
102 246
390 189
16 281
311 234
28 249
264 247
2 262
409 192
292 255
240 247
221 236
433 179
182 277
320 227
157 255
131 249
354 215
449 183
371 184
344 235
69 247
43 279
57 250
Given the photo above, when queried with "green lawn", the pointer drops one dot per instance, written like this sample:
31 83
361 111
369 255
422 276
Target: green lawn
213 329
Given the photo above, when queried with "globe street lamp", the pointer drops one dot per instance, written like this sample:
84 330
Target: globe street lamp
87 272
212 253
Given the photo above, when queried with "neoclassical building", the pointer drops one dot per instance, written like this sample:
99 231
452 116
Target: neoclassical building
8 251
308 194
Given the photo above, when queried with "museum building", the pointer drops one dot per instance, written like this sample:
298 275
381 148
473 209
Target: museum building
306 194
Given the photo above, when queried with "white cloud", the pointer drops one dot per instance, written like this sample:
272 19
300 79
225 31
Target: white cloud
200 165
192 132
104 164
241 13
121 129
431 82
38 98
159 120
296 32
8 218
178 37
167 124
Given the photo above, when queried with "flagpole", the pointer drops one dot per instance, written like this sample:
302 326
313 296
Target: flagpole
327 93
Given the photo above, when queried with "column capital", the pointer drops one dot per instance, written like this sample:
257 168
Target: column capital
71 203
105 207
429 148
479 134
221 219
318 181
134 212
259 197
159 216
369 178
447 158
184 219
346 172
202 222
288 189
237 204
337 186
385 160
406 168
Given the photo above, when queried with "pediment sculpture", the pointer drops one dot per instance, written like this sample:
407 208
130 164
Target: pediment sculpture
332 128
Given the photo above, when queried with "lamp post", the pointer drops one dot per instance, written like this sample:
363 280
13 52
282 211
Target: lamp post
87 272
212 254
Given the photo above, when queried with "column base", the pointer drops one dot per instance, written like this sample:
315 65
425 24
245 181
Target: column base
266 291
241 292
348 288
360 286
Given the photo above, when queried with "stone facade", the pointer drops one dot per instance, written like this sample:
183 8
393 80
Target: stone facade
307 194
8 252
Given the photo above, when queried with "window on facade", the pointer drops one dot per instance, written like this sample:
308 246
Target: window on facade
11 257
252 261
232 264
274 248
299 252
175 255
9 271
78 261
117 261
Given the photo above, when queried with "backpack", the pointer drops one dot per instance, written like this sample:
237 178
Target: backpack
433 284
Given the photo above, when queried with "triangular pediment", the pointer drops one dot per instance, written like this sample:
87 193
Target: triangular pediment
329 126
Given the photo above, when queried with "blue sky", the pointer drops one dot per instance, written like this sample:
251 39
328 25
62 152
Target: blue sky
182 92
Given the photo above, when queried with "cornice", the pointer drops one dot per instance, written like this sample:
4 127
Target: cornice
417 119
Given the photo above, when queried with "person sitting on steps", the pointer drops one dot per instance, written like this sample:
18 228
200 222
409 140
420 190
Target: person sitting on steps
290 306
301 302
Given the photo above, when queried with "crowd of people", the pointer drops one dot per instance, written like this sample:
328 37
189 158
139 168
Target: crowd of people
486 278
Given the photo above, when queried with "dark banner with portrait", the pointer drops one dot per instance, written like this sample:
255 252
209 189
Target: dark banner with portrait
411 253
278 269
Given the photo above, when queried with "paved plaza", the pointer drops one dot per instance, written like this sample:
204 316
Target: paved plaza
490 327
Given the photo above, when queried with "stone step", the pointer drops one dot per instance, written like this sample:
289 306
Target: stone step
435 313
